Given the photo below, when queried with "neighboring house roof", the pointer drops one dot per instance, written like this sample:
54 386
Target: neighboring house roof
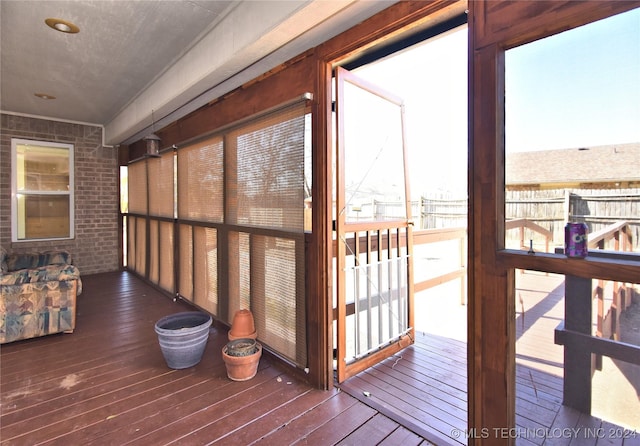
599 164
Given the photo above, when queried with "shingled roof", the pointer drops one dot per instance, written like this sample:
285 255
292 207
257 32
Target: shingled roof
600 164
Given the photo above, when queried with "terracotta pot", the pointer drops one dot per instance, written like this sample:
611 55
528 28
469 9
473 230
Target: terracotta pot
242 368
241 347
243 326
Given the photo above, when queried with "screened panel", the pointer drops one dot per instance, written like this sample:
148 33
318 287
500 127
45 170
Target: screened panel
161 185
141 246
166 257
277 294
131 243
267 181
154 252
373 161
138 187
239 273
572 137
205 269
201 181
185 281
251 175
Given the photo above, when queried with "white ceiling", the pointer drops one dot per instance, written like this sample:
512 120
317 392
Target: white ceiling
169 57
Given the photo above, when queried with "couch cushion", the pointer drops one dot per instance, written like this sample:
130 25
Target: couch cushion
37 309
41 274
18 261
56 257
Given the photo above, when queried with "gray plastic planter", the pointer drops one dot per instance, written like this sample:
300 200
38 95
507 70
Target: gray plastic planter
183 338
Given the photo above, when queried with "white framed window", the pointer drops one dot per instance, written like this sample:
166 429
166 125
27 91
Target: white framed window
42 202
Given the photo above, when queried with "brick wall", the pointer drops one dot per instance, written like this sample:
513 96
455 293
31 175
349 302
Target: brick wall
95 246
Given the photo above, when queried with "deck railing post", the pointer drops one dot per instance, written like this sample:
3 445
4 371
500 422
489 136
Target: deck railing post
578 364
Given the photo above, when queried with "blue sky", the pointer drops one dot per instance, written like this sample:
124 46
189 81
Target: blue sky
575 89
579 88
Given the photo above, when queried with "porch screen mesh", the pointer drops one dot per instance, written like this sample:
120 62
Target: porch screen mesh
137 230
268 176
131 243
239 272
201 181
205 269
277 291
161 185
154 252
138 187
239 197
265 190
185 256
141 246
166 258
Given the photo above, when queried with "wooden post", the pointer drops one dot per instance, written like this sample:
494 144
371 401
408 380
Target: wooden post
578 368
567 205
463 282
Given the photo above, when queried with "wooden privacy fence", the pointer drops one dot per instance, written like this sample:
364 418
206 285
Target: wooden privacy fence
443 211
545 211
521 224
551 209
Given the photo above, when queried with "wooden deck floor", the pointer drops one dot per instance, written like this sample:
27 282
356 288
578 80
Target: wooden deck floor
108 384
424 387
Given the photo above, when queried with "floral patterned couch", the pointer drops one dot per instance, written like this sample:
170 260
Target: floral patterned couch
39 292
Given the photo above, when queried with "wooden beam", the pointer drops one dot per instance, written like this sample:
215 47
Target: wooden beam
620 268
578 365
439 280
621 351
319 258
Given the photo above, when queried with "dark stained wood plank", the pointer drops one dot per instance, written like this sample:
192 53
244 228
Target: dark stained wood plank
417 400
339 426
432 373
308 422
404 437
108 384
90 388
158 416
280 418
430 427
430 387
239 420
372 432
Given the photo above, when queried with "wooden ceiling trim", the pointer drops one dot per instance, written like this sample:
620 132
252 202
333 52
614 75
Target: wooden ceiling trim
513 23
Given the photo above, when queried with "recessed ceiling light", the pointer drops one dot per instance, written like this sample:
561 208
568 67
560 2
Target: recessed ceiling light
44 96
62 25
